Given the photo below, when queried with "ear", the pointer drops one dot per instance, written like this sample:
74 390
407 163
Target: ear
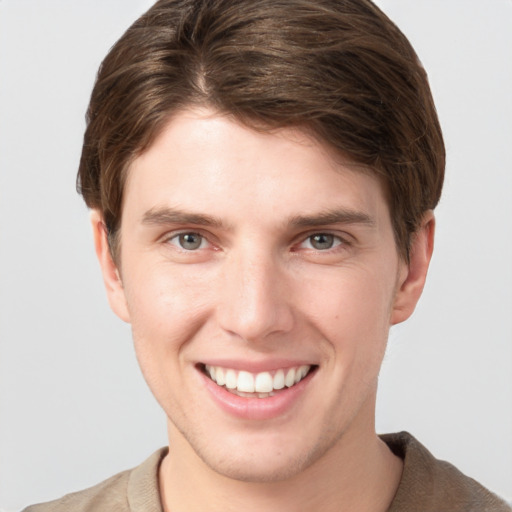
413 275
111 275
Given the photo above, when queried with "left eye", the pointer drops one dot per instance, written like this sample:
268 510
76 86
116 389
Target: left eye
189 241
322 241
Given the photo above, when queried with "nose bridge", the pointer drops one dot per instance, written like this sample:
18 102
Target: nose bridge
254 301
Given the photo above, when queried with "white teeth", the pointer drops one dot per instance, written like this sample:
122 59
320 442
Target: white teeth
261 384
220 376
300 373
242 393
245 382
264 383
231 380
290 378
279 380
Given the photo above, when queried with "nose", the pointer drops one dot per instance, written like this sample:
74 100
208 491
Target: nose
254 298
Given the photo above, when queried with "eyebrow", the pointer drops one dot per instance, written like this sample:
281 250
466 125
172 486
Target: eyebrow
341 216
165 215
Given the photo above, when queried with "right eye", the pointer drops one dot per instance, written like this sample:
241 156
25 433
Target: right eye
189 241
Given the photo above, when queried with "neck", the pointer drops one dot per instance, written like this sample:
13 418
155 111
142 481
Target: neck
359 473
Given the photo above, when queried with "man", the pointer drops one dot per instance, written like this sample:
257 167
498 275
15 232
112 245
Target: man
262 177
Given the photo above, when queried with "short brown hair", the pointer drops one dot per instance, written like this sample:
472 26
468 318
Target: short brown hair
339 69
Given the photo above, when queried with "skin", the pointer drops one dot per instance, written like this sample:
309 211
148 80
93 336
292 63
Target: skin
259 289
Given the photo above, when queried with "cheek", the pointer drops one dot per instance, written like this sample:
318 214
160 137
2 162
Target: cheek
166 308
160 296
166 311
350 303
351 310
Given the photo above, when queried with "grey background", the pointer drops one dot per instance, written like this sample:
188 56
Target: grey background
73 406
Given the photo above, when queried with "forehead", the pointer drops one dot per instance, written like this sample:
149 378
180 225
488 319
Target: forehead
206 162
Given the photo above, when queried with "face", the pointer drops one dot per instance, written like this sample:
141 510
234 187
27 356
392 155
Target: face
260 277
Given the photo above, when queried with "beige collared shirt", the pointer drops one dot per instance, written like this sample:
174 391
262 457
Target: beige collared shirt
427 485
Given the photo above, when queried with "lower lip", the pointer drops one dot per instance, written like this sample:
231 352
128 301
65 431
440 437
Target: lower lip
256 408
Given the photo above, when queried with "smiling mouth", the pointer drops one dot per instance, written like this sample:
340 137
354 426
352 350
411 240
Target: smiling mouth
257 385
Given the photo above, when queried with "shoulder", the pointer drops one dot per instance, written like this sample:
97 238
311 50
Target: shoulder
111 493
131 490
434 485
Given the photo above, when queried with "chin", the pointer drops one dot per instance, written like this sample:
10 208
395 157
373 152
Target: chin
266 469
263 461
